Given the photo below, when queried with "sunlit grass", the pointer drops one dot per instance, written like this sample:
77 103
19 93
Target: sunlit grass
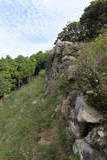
23 116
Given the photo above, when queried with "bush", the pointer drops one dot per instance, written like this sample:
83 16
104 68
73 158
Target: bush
94 54
63 85
91 22
73 32
93 72
16 72
94 18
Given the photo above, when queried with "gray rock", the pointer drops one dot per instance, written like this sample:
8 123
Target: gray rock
70 48
58 47
72 59
34 102
98 136
74 129
66 48
77 129
65 54
71 72
86 113
87 152
91 92
73 96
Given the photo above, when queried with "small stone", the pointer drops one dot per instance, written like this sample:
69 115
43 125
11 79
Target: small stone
65 107
90 92
58 108
75 150
101 133
70 58
71 72
34 102
21 110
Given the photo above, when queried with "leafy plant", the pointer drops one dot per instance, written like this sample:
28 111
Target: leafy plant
14 73
63 85
90 25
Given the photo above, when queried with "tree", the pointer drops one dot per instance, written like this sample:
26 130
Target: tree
94 18
16 72
5 83
91 22
73 32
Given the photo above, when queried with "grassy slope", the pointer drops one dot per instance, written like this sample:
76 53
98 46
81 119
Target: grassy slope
27 115
93 59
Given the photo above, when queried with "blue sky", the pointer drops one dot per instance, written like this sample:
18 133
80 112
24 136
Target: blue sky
27 26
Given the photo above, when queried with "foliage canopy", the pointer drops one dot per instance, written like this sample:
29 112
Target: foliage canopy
93 19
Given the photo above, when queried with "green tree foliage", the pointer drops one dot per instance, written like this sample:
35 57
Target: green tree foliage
5 83
93 19
16 72
73 32
24 70
40 59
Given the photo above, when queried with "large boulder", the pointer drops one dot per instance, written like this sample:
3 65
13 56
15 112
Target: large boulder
70 48
87 152
77 129
86 113
64 56
66 48
98 136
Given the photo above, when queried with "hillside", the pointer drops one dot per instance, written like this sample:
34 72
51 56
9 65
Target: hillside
54 105
29 128
81 69
62 111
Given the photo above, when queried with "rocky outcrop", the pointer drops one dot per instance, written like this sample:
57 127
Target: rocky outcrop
63 63
87 152
86 125
86 113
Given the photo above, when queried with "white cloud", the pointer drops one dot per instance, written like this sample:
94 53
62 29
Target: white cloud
27 26
13 44
27 51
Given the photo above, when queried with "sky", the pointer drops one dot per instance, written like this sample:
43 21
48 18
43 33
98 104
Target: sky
27 26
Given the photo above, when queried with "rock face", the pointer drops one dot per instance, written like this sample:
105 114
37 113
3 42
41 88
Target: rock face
64 62
85 113
71 72
86 125
87 152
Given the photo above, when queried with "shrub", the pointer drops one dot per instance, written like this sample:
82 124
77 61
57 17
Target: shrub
94 18
63 85
16 72
93 72
73 32
91 22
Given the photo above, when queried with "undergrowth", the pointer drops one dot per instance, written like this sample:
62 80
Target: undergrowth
93 72
24 116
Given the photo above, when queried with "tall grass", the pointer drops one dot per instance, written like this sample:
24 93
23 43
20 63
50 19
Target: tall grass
93 52
24 115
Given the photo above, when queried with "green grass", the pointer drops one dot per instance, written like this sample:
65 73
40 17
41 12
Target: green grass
94 54
25 114
93 72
